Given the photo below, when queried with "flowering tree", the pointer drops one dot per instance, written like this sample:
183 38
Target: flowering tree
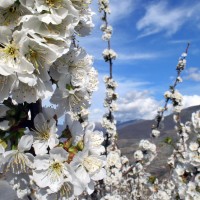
41 58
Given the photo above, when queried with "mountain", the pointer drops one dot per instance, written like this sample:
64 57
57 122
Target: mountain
131 134
141 129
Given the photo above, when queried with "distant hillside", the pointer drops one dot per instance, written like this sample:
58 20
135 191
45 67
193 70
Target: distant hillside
130 135
142 128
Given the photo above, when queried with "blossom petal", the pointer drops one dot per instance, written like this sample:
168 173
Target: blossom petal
25 143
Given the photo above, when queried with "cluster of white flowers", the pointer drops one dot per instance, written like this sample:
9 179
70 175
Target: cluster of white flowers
40 58
116 163
59 169
104 6
109 54
183 181
182 61
36 34
107 32
76 79
135 177
172 95
111 95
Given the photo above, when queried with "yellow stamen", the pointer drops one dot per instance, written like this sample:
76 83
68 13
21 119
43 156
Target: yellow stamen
54 3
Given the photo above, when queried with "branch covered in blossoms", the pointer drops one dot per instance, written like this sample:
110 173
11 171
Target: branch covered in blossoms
172 95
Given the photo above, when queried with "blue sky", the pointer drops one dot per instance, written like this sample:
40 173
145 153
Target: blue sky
149 36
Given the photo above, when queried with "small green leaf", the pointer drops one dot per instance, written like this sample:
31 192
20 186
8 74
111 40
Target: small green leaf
168 140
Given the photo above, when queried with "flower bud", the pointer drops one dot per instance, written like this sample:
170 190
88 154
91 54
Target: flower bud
80 145
67 144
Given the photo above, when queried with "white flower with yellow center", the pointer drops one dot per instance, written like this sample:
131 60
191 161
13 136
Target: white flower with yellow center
55 10
52 170
38 54
69 98
89 168
11 59
16 161
44 134
75 69
11 12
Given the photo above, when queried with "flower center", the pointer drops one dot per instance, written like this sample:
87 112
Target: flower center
11 51
11 14
54 3
56 166
56 169
44 135
37 57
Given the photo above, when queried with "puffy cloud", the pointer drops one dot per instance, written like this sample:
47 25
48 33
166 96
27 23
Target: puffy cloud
192 100
120 9
124 87
159 17
137 105
193 73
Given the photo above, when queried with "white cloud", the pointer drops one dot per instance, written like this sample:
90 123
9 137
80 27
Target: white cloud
134 102
142 105
192 73
124 87
159 17
137 56
120 9
192 100
137 105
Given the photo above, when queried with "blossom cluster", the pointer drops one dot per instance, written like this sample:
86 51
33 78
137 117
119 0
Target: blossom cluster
104 6
172 95
63 166
183 181
34 34
41 58
109 55
116 163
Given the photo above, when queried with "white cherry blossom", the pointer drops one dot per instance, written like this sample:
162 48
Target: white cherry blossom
17 161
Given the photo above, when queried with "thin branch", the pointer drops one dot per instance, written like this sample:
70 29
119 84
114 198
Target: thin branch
161 113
